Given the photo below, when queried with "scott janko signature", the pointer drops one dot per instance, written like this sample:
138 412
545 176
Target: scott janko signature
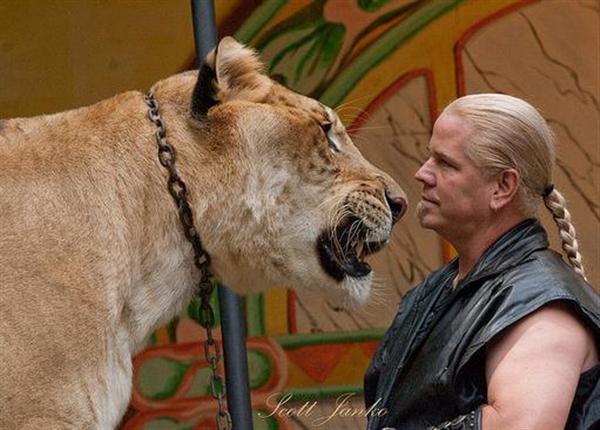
278 402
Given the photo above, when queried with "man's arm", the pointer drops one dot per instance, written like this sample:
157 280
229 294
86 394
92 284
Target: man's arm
533 367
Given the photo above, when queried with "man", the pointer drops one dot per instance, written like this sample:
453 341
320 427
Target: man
506 335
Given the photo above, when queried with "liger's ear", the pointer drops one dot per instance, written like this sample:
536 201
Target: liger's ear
228 70
236 65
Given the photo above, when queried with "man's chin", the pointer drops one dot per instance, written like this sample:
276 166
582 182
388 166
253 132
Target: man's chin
425 217
425 221
430 223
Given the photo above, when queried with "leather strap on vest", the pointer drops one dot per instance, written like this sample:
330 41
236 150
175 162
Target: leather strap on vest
470 421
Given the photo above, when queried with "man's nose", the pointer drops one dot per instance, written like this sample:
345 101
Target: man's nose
425 174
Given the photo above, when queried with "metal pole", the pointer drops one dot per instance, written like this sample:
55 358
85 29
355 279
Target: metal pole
236 363
205 28
233 327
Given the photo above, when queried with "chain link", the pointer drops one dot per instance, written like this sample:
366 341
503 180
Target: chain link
206 315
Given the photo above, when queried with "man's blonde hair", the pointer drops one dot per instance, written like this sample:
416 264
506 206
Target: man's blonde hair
509 133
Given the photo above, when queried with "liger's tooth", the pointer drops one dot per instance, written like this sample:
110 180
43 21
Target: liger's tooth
360 249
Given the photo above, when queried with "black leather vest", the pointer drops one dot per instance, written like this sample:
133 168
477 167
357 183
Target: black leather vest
430 365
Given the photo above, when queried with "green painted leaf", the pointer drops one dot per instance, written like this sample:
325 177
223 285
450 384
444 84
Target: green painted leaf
259 369
167 424
261 423
306 18
200 384
159 378
371 5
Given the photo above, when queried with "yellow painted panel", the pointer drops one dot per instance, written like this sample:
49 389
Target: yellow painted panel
57 55
162 337
276 312
350 369
297 378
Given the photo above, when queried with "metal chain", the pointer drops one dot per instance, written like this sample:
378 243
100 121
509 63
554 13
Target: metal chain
206 315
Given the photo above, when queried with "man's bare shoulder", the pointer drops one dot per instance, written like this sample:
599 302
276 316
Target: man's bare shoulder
553 326
533 368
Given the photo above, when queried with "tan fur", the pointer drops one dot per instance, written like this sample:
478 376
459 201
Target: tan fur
92 256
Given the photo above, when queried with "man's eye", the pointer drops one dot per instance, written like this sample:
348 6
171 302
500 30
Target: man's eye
444 163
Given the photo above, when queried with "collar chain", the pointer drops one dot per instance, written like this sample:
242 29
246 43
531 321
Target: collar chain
206 315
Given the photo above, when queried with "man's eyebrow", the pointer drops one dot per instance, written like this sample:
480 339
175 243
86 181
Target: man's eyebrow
442 155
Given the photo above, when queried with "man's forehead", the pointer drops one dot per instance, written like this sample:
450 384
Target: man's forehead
450 132
451 125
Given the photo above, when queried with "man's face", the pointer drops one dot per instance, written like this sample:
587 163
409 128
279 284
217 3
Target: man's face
455 198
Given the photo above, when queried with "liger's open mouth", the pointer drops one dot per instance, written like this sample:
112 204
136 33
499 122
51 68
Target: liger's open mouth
342 251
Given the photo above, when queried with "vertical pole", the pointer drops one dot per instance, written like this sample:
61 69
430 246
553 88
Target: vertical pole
236 363
233 328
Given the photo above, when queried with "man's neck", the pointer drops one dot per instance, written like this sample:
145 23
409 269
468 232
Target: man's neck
470 248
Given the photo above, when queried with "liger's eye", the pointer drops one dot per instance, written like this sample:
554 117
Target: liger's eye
326 126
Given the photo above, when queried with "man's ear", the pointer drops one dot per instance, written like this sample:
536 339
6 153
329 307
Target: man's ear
227 70
506 187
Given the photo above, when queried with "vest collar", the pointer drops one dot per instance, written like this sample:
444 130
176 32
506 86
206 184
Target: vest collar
509 250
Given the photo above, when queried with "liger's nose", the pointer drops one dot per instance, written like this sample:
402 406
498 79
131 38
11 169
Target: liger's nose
398 206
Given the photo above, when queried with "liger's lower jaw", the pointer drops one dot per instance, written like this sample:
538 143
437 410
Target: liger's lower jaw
339 266
341 252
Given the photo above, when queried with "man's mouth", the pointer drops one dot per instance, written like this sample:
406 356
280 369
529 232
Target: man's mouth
342 251
428 200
